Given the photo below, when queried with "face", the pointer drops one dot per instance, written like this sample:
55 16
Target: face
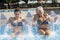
39 12
17 14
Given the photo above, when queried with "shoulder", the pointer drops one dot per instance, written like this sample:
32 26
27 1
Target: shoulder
21 17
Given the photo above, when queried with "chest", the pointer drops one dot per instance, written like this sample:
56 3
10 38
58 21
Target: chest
42 19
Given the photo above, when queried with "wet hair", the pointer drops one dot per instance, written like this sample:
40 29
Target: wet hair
17 10
45 12
40 8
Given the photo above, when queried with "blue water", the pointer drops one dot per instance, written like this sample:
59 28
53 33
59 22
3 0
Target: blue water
55 35
31 33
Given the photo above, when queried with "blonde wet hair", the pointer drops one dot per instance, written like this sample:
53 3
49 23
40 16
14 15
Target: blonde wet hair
40 8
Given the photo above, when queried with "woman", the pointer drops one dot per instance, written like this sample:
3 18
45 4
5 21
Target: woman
42 21
16 22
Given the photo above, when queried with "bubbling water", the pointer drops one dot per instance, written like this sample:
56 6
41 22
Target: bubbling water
30 34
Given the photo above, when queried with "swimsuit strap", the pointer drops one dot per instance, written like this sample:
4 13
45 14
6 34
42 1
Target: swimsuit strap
40 22
17 24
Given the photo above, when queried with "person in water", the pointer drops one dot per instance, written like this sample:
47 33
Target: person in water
16 22
42 19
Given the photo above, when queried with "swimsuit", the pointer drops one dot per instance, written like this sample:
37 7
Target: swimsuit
39 22
17 24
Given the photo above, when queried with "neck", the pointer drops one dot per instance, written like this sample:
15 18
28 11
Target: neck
16 18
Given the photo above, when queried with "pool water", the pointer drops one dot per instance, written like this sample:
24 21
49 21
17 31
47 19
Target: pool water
30 32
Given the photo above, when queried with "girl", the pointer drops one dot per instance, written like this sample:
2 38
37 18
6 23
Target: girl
42 21
16 22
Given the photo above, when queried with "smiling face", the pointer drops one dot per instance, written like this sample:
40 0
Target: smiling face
17 14
40 11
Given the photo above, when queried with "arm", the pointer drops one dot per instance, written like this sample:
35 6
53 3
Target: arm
34 19
55 18
8 23
23 20
10 20
48 17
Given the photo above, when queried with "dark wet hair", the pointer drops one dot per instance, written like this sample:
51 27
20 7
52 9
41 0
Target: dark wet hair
17 10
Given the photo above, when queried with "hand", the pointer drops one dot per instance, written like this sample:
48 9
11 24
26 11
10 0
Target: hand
55 18
33 24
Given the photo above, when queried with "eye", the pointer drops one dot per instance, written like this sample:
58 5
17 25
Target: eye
16 14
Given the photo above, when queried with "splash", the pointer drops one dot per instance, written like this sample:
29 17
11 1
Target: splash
53 34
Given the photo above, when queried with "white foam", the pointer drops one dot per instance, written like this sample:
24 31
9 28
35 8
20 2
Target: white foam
53 34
